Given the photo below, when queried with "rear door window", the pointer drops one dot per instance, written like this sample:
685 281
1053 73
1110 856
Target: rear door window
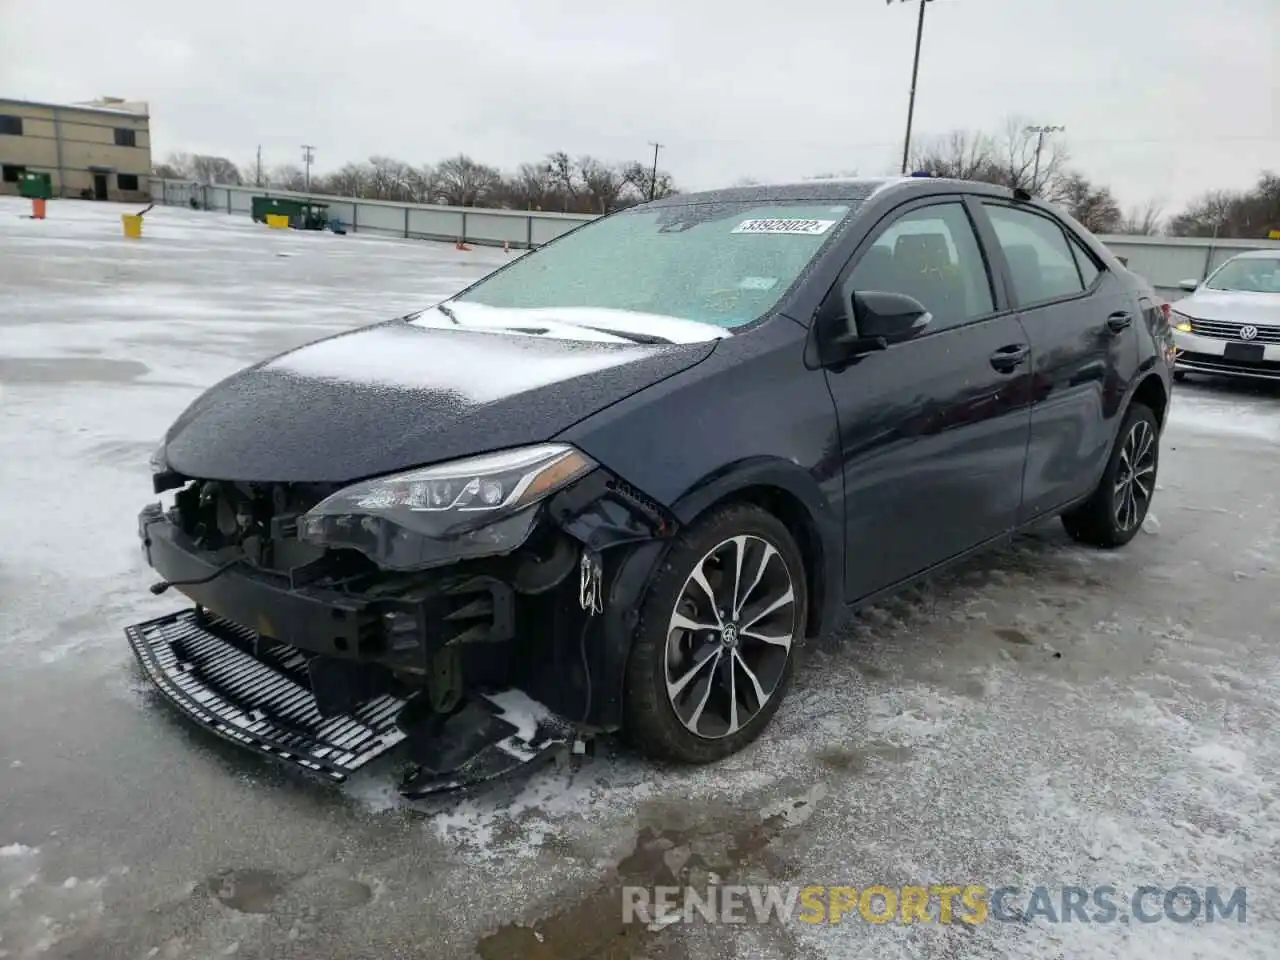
1040 260
1084 261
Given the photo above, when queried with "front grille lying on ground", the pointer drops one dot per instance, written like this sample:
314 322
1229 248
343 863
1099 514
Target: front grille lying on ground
263 702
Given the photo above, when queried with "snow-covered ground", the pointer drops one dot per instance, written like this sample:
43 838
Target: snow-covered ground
1045 715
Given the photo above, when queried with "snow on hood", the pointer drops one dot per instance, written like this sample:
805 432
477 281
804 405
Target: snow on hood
1232 306
571 323
384 356
396 396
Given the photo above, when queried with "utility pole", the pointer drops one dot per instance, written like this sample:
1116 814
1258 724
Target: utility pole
308 157
257 179
915 72
1041 132
653 179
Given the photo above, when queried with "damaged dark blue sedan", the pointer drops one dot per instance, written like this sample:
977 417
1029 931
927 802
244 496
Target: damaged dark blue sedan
616 484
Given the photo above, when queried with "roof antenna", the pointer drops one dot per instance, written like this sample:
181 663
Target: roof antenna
1021 195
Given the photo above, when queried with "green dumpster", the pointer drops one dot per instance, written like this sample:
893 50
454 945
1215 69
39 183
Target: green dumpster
302 214
36 186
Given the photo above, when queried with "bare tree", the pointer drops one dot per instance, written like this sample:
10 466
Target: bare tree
1144 220
846 174
1092 205
1249 214
287 177
204 168
390 179
585 185
640 176
216 170
532 187
602 183
564 175
349 180
423 183
960 155
464 183
1019 168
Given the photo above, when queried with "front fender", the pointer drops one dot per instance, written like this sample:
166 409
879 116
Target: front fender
764 479
631 569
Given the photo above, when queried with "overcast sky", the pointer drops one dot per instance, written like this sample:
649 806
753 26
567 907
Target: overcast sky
1162 99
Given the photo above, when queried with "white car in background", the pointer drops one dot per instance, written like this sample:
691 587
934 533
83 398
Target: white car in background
1229 325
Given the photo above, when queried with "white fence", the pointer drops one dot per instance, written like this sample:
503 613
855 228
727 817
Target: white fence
420 221
1164 261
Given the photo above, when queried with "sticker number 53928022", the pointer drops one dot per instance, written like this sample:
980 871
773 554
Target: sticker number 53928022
810 227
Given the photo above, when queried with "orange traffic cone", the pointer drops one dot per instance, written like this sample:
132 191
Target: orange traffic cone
506 246
461 245
37 208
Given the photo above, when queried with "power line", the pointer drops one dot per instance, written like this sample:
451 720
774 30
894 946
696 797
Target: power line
915 73
308 157
653 180
1041 132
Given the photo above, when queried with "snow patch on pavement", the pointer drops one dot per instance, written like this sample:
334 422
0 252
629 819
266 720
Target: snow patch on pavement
1205 413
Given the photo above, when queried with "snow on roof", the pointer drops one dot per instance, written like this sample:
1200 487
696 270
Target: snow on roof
113 105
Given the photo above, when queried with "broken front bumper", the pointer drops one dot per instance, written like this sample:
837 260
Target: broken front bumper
397 632
258 694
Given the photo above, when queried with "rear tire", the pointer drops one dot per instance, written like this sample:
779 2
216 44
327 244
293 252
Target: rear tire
1112 516
704 678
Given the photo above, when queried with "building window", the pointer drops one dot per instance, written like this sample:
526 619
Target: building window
11 174
11 126
126 138
127 181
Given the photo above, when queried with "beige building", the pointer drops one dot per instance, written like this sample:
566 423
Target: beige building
99 150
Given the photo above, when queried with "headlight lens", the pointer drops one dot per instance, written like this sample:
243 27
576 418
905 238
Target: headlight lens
479 506
1181 322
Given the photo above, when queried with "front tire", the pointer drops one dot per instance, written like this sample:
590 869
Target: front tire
1179 375
716 642
1112 516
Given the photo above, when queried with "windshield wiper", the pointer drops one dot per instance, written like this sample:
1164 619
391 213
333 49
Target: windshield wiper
448 312
646 338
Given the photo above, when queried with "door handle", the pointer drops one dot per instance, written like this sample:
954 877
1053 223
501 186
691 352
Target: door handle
1119 320
1007 359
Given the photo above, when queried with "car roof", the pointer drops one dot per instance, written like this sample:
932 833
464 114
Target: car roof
1268 254
851 188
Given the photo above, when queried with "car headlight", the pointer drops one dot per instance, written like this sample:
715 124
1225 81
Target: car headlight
479 506
1180 321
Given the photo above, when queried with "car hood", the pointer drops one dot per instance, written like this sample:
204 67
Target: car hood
399 395
1259 309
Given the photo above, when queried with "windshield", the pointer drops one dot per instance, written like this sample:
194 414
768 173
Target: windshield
717 263
1248 275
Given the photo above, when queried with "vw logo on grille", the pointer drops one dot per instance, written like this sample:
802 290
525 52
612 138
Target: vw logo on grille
1248 332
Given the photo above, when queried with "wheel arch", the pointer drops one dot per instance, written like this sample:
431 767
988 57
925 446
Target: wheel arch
792 495
1152 393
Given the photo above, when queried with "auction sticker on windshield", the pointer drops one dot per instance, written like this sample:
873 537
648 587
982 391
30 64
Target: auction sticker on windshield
810 227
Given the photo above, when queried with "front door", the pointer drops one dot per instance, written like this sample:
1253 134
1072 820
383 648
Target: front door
1080 320
99 186
934 429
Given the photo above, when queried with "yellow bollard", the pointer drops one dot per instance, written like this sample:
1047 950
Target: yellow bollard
277 221
132 225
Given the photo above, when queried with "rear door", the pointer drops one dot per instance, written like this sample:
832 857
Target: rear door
1080 319
933 430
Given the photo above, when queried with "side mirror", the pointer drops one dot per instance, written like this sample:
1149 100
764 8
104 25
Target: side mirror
891 317
1188 285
